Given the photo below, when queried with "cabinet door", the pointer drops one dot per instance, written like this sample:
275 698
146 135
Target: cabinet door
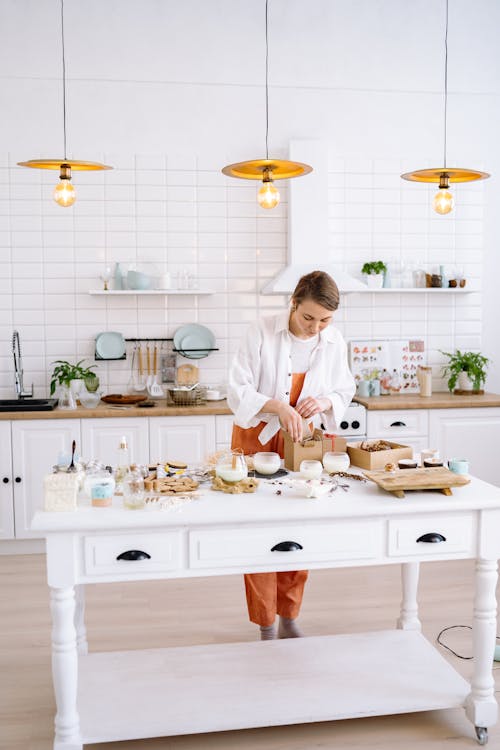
36 445
6 484
397 423
101 438
471 434
223 430
188 439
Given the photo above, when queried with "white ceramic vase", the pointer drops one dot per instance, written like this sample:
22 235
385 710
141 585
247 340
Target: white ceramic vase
464 383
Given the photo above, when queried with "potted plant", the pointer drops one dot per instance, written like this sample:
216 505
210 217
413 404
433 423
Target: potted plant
374 271
467 369
69 377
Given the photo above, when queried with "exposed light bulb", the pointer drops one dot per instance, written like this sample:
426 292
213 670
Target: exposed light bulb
443 201
64 193
268 196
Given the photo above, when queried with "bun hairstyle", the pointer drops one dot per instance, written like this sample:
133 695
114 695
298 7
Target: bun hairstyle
319 287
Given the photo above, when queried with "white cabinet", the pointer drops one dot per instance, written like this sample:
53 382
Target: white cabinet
6 484
223 430
410 427
101 438
36 445
469 433
188 439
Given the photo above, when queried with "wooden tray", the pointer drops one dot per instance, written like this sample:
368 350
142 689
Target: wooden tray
123 399
435 478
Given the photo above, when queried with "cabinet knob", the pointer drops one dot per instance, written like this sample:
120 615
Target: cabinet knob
398 424
355 425
433 538
134 554
344 425
5 480
286 547
17 480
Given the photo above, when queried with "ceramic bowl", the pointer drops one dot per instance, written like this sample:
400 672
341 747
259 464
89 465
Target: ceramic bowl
138 280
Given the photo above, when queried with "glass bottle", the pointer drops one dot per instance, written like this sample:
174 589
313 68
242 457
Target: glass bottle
133 490
66 398
122 464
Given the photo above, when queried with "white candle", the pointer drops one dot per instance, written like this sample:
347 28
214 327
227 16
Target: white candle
267 462
336 461
228 474
311 469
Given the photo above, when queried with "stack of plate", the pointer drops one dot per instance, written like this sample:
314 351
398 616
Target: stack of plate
194 341
110 345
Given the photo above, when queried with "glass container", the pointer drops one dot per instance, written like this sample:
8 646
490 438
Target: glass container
311 469
266 462
336 461
133 490
102 488
232 467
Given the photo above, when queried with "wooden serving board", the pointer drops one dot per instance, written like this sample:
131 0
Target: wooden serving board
435 478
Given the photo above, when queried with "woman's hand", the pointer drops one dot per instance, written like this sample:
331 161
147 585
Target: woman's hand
310 406
291 421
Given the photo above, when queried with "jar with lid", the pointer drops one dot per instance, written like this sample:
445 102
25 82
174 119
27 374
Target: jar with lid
102 488
133 489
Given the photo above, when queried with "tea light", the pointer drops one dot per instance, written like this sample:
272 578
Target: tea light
267 463
407 463
311 469
429 463
228 474
336 461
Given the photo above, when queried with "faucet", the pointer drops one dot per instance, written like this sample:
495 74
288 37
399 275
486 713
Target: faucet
18 368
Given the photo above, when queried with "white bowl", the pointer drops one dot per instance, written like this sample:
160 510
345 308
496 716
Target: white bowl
138 280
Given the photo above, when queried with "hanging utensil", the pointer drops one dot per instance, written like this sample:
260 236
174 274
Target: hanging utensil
140 384
154 388
149 379
71 468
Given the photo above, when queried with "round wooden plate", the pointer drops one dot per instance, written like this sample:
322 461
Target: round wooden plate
123 399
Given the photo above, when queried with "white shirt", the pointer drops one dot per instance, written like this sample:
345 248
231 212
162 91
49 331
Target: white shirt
301 352
261 370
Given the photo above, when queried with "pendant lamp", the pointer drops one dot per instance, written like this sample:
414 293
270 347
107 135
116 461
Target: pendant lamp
443 200
267 170
64 193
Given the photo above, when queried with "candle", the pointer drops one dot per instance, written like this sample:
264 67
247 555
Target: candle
267 462
311 469
336 461
228 474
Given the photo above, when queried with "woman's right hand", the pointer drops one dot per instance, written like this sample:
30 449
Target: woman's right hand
291 421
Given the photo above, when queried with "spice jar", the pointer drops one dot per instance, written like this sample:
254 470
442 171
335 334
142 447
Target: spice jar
133 489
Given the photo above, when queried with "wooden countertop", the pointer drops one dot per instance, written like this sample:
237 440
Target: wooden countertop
439 400
106 410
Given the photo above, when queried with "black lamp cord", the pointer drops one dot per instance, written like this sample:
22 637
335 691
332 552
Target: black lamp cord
63 77
267 81
445 82
452 627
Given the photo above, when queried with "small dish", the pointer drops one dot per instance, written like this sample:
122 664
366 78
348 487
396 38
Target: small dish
110 345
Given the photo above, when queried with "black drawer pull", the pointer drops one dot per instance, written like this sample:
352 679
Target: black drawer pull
17 479
5 480
398 424
134 554
286 547
433 537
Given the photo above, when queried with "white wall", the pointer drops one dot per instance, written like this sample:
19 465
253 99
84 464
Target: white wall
168 93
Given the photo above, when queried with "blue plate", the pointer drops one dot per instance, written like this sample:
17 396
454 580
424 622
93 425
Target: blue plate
194 341
109 345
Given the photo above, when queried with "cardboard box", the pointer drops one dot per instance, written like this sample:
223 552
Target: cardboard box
308 450
378 459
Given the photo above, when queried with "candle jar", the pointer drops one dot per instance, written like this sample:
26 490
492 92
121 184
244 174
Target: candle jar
232 467
133 490
102 488
267 462
336 461
311 469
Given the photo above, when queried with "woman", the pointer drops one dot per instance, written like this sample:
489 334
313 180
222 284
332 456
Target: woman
290 366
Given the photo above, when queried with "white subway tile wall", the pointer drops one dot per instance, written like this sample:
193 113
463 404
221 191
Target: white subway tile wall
178 213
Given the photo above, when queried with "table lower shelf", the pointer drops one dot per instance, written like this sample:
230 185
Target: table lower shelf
187 690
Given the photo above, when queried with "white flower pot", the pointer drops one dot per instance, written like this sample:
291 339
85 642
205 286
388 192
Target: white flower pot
375 280
464 383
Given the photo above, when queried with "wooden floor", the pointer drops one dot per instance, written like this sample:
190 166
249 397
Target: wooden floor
212 610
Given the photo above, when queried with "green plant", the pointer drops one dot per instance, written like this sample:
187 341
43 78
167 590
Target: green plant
473 363
65 372
374 266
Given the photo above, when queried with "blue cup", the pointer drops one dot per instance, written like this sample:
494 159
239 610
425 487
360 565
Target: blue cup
363 388
458 465
375 387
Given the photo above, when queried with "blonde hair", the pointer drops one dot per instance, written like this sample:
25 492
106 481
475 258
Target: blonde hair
319 287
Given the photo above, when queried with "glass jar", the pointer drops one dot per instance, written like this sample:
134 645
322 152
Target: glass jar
102 488
336 461
133 490
232 467
266 462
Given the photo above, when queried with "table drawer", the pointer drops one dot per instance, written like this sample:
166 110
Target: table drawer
387 424
239 547
459 532
101 553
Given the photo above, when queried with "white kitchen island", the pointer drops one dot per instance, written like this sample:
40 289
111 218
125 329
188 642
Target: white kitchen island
104 697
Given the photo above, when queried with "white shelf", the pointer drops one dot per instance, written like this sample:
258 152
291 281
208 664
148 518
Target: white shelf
416 290
148 292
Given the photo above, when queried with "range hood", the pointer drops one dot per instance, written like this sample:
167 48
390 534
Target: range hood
308 225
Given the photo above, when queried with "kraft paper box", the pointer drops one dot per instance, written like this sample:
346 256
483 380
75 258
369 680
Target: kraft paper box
378 459
310 449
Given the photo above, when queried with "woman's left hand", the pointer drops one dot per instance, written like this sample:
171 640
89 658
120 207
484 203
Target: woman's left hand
310 406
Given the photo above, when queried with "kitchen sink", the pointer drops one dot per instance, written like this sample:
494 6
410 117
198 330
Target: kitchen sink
28 404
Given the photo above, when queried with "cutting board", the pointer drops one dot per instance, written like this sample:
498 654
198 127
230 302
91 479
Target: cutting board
435 478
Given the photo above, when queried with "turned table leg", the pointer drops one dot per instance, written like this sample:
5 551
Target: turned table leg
81 631
408 618
481 706
65 669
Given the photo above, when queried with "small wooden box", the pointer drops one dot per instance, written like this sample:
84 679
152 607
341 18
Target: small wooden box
294 453
378 459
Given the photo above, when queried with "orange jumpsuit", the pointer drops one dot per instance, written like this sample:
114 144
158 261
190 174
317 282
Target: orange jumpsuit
280 593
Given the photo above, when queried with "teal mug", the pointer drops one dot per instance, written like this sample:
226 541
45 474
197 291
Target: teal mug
363 388
458 465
